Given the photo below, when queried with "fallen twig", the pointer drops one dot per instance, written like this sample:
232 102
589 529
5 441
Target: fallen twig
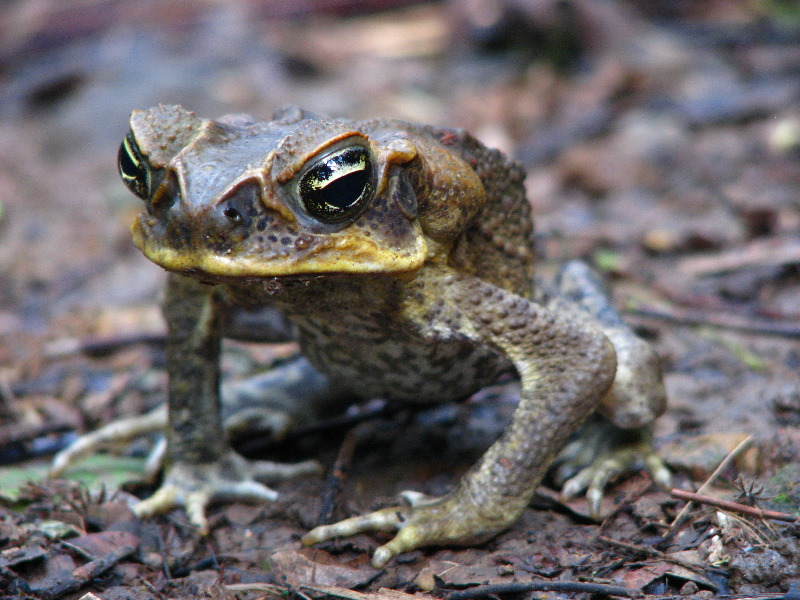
697 567
789 330
738 507
270 589
84 574
543 586
774 251
101 346
339 473
741 447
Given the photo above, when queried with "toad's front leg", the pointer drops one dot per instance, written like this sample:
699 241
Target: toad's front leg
201 467
565 368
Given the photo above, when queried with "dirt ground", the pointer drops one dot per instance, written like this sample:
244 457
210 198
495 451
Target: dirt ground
662 144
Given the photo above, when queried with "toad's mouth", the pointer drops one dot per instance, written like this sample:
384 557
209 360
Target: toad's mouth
198 252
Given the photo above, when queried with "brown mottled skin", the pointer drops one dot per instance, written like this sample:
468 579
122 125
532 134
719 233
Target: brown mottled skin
406 265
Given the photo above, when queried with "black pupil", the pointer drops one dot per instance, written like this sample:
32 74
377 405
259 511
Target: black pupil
126 165
344 191
132 168
332 189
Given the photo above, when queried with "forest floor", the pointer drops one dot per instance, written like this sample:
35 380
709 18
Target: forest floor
662 144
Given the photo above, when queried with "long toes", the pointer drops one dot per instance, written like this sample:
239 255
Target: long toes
407 539
245 491
80 447
658 471
593 480
244 421
415 498
165 498
600 478
155 460
198 501
273 471
196 504
117 432
84 446
388 519
576 484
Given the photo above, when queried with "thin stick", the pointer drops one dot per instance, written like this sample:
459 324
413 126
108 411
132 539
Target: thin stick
699 568
760 253
788 330
340 472
84 574
543 586
737 507
741 447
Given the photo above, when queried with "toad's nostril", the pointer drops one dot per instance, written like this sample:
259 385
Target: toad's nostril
233 215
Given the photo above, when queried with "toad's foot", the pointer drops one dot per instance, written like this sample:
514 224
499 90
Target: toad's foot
230 478
116 433
602 452
453 519
265 421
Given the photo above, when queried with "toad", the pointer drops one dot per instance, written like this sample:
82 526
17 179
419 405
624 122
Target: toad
403 257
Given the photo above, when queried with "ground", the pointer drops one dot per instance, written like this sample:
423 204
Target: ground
662 143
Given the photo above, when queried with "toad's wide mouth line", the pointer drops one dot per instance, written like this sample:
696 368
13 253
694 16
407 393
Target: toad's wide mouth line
346 255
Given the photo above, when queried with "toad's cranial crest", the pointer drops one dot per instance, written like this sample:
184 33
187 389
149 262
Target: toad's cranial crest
402 254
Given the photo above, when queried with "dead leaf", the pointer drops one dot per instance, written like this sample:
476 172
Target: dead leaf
295 568
690 557
338 592
471 567
103 543
389 594
20 555
382 593
57 568
701 454
640 578
652 572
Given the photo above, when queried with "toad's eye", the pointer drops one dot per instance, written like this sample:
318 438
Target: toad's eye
336 187
133 168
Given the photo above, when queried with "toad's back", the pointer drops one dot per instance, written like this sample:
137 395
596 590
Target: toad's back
497 244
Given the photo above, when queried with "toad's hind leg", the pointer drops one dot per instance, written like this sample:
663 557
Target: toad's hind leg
564 368
280 400
619 438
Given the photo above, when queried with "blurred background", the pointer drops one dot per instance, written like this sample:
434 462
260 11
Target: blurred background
642 124
661 141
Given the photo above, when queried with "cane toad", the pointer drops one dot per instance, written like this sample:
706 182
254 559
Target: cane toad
403 256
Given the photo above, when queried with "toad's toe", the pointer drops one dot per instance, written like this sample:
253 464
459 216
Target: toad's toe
195 486
594 478
118 432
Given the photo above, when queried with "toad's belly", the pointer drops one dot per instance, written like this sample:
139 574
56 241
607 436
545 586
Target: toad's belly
378 362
